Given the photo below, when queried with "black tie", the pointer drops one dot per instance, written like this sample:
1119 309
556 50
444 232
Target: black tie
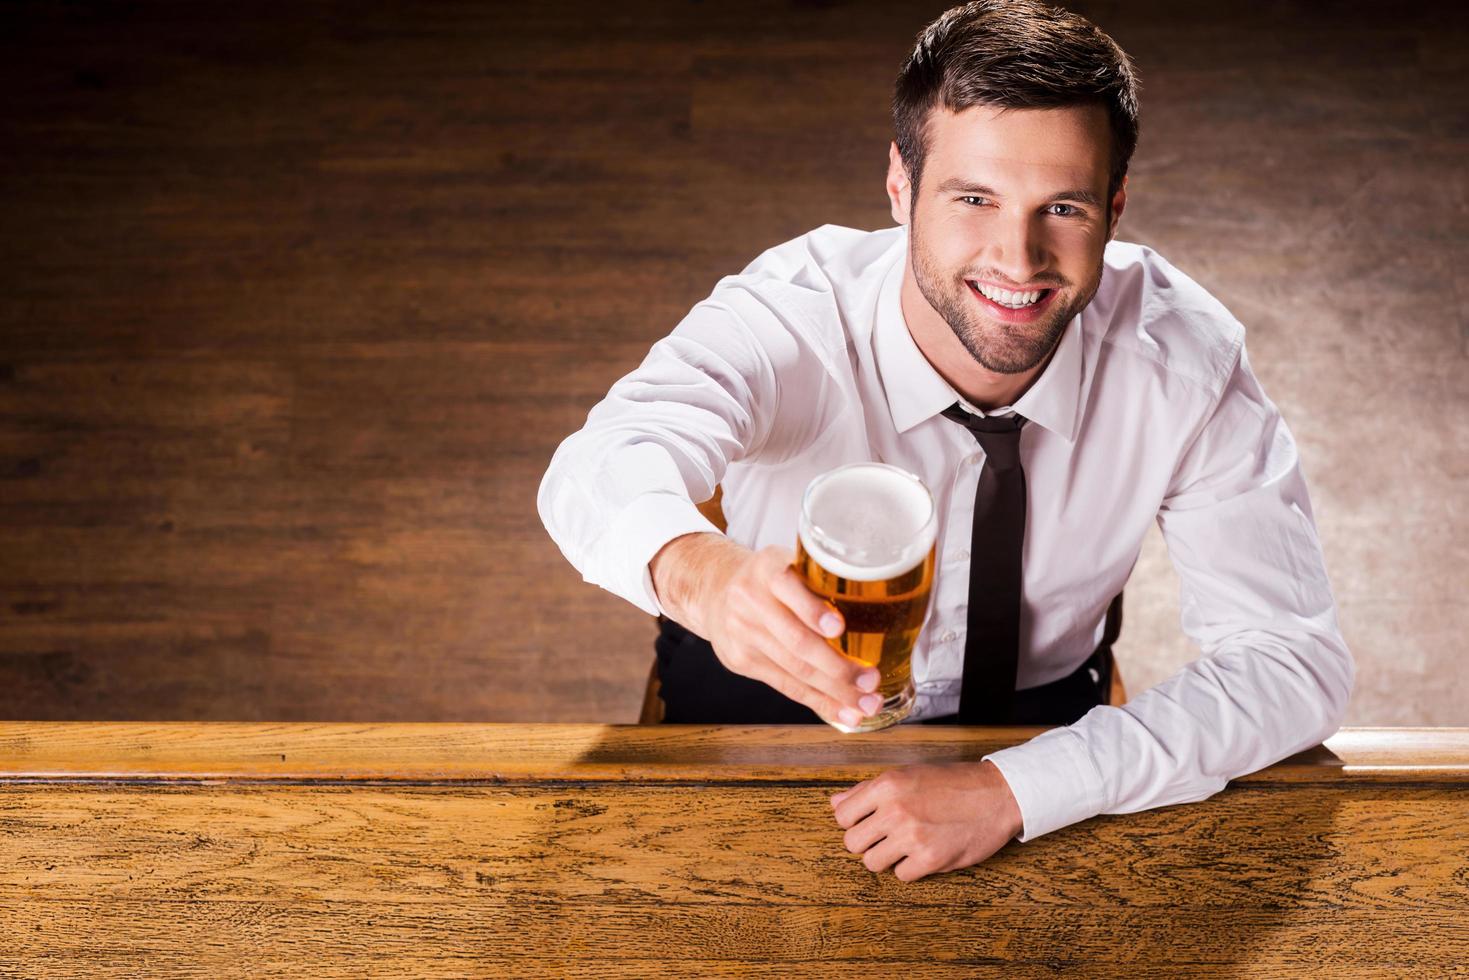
992 642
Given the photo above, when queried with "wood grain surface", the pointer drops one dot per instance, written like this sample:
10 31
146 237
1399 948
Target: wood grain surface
72 751
623 851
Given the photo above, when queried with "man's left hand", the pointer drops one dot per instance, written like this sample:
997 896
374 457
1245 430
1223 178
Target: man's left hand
919 820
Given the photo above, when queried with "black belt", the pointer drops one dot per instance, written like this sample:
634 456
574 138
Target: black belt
1064 701
697 689
1060 702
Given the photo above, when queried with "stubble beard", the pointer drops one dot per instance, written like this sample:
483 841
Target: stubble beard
999 347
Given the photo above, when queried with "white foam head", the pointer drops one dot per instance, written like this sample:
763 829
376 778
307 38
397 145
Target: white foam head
867 521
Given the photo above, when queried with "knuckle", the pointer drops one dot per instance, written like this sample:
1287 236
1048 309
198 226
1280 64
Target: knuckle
772 560
798 597
802 668
741 597
734 655
824 659
785 637
830 706
786 685
796 587
843 696
781 681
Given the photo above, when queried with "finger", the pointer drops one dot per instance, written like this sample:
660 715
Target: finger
866 834
818 614
856 806
827 666
773 674
882 856
832 696
822 618
911 869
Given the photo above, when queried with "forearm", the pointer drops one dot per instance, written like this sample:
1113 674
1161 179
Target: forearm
624 486
1220 717
610 510
687 570
1245 707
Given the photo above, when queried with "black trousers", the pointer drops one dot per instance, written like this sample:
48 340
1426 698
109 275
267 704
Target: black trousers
697 689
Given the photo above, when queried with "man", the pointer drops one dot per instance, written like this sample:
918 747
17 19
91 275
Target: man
1000 304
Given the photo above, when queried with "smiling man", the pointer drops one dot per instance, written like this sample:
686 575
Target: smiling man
1000 312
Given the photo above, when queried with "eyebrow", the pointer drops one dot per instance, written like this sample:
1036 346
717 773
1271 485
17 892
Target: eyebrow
1080 195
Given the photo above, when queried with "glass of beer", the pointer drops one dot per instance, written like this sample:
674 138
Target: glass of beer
866 545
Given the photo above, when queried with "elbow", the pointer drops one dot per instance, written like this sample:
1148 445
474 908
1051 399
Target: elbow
1321 674
556 482
1340 686
544 495
1336 680
557 503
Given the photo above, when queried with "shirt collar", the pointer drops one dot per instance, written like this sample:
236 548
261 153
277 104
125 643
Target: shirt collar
916 392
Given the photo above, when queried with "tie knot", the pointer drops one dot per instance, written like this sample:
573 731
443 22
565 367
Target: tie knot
998 436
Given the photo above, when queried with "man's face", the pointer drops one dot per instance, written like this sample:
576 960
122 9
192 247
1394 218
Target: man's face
1007 230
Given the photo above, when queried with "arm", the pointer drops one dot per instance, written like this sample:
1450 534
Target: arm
619 496
763 622
625 485
1275 674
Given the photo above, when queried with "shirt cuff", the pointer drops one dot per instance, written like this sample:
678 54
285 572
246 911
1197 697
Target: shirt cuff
640 531
1054 779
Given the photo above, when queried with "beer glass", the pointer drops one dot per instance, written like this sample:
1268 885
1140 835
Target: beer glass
866 544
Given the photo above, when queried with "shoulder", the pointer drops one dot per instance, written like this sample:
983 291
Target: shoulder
799 299
811 291
820 276
1148 310
826 257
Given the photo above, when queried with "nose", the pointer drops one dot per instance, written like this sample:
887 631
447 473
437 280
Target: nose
1019 249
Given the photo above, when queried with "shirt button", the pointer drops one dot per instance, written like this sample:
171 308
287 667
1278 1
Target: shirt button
948 636
962 554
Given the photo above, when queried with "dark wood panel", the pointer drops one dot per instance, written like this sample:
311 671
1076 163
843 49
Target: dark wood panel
296 301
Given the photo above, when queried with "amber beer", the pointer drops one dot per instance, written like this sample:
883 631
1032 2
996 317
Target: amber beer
866 544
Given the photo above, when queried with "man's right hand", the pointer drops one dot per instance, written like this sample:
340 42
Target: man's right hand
763 622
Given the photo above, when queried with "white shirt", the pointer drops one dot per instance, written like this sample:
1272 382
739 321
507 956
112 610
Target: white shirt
1147 411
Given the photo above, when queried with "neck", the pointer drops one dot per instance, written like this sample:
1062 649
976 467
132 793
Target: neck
984 389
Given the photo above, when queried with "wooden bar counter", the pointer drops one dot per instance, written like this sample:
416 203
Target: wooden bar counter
436 850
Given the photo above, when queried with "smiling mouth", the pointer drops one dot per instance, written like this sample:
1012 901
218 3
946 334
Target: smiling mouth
1010 299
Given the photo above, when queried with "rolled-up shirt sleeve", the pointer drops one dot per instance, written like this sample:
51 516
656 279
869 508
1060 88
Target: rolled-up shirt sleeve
707 395
1274 675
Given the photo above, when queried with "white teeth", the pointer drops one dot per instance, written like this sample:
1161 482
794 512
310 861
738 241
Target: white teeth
1006 298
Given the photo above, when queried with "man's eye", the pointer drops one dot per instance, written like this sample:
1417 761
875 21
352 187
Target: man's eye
1065 210
976 201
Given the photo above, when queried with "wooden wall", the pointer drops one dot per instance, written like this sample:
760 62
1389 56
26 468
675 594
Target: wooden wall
296 301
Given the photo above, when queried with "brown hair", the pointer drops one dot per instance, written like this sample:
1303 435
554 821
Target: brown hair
1014 54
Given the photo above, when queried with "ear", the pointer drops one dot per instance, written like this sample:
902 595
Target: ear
1119 201
899 190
